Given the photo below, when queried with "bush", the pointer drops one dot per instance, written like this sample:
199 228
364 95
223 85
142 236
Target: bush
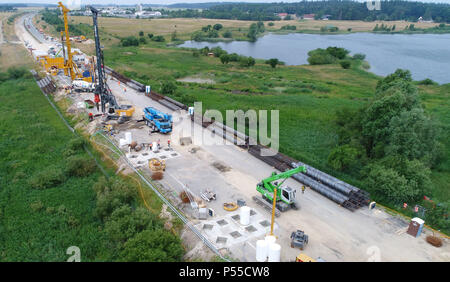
168 87
158 38
150 35
271 24
153 246
343 157
217 26
48 178
246 61
141 33
79 166
359 56
130 41
142 40
345 64
320 57
427 81
227 34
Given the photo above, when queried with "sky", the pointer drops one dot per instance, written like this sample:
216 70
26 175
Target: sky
131 2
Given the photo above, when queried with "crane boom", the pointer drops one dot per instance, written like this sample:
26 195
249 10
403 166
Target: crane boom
69 62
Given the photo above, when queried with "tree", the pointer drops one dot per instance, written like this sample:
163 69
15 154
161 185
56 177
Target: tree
141 33
343 157
413 136
224 58
273 62
389 185
153 246
217 27
150 35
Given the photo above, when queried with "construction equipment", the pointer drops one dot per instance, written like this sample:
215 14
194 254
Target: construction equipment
208 195
284 196
70 68
115 111
157 120
304 258
299 239
82 86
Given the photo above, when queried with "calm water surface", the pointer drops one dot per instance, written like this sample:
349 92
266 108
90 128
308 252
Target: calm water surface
425 55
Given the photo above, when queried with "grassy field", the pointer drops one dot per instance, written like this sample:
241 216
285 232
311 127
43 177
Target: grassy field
184 27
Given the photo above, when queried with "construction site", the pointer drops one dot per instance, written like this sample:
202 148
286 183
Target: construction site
235 202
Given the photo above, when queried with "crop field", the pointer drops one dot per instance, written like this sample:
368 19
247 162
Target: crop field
124 27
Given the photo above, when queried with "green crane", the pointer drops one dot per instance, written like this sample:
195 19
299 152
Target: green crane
285 196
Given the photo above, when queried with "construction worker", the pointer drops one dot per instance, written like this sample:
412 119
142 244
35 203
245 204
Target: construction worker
159 144
303 189
91 117
150 146
97 101
168 143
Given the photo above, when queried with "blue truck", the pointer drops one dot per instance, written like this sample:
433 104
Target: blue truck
157 120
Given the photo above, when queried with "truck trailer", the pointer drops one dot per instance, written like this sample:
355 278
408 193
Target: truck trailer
157 120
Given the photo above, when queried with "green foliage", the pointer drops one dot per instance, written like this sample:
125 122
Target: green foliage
320 57
345 64
329 28
273 62
412 135
217 27
153 246
142 40
337 52
129 41
47 178
158 38
112 195
359 56
427 81
343 157
247 61
125 223
288 27
168 87
227 34
271 24
389 185
141 33
80 166
150 35
224 58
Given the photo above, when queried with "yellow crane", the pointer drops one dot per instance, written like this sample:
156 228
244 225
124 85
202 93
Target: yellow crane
70 68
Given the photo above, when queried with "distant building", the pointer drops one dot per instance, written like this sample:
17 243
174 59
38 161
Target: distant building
284 15
309 16
326 17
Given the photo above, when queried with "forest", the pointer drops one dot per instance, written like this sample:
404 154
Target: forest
335 9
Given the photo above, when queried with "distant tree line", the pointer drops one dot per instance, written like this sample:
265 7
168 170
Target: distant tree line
7 8
337 9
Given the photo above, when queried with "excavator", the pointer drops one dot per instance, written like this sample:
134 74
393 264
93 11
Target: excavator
284 196
115 111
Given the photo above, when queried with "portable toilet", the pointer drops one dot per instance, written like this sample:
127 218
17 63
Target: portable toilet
415 227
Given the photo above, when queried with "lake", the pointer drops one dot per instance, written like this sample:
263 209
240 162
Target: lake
425 55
